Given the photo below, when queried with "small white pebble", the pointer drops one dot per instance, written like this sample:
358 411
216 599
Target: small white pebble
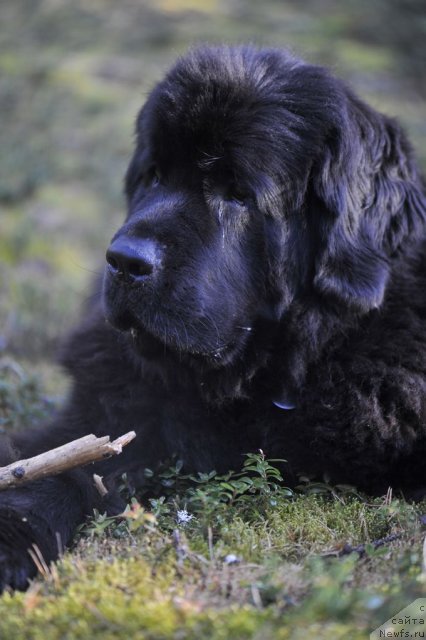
231 558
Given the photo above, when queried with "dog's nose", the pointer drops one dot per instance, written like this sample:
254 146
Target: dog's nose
133 258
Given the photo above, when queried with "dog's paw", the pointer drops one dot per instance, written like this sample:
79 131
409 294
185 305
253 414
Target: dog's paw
16 540
16 569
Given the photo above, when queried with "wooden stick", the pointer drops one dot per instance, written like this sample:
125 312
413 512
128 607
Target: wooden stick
73 454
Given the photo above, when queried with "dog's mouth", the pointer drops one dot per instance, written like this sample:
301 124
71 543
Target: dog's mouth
156 332
145 344
141 341
148 344
151 346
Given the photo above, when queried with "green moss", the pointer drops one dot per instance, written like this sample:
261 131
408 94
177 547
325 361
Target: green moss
116 600
308 524
159 597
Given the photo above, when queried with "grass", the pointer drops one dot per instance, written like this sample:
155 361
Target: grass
253 560
260 564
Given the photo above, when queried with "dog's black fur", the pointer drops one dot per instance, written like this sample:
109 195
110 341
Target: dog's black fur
276 299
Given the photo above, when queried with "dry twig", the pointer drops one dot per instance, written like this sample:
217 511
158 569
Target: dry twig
69 456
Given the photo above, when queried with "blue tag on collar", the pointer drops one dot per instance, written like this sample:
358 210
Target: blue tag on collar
284 404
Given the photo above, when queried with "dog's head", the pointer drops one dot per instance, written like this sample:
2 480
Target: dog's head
257 181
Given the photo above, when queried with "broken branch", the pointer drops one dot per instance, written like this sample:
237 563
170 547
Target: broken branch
69 456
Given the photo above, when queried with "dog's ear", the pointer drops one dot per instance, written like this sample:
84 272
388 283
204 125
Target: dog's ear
366 200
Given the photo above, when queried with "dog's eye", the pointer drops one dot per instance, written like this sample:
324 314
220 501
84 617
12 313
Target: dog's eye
236 196
152 177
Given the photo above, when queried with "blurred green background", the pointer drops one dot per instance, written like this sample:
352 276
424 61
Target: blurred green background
73 74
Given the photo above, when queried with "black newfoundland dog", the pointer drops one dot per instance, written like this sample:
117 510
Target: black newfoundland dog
266 290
